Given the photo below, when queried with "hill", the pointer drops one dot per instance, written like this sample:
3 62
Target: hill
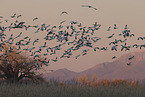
118 69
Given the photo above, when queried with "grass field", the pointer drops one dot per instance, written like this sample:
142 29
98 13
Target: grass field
102 88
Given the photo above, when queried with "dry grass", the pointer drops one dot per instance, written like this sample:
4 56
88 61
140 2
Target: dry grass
80 88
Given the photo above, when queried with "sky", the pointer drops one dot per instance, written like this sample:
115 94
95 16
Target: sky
110 12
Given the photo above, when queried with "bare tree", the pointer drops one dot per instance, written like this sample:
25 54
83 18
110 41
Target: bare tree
14 67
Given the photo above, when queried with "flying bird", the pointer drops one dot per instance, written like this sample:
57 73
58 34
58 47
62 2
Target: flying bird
38 51
54 60
62 21
89 6
11 50
6 20
19 35
19 16
114 57
31 49
35 19
36 40
104 48
35 56
131 35
115 26
26 37
32 54
114 47
129 63
64 12
111 36
109 28
51 70
80 25
96 48
44 44
13 15
125 27
19 52
1 16
130 58
77 56
45 54
140 38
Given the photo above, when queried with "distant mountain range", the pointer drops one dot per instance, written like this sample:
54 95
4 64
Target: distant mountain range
118 69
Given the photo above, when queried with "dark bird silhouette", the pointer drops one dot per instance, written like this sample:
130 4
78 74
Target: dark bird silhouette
1 16
130 58
114 47
19 16
142 38
64 12
115 27
109 28
89 6
36 40
35 18
77 56
54 60
13 15
129 63
62 22
96 48
114 57
111 36
125 27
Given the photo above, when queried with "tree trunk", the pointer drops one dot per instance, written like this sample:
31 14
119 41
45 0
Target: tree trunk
12 78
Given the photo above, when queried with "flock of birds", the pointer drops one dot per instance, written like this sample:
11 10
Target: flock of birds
82 37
